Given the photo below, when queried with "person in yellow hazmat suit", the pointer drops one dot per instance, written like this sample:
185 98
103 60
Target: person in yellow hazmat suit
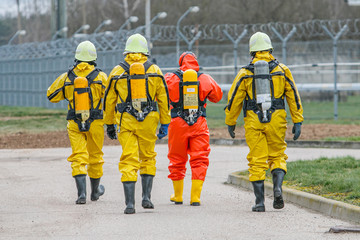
83 86
136 98
260 89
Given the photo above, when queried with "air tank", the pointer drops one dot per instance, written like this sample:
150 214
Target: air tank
81 100
262 86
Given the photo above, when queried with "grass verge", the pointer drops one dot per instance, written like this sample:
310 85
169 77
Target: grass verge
31 119
333 178
351 139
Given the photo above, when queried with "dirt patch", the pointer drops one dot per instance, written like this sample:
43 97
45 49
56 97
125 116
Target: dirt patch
40 140
22 118
60 138
308 131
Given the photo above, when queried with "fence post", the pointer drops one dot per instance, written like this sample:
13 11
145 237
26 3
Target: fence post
197 36
190 43
284 41
335 40
236 43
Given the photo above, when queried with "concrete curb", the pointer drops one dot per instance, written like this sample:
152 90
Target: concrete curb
323 205
290 143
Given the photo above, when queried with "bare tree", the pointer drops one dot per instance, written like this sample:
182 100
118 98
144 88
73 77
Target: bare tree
126 9
18 18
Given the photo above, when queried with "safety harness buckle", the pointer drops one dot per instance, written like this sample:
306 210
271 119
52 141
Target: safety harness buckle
139 115
276 104
189 118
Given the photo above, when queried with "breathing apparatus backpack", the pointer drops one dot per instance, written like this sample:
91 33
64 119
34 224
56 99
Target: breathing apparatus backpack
189 107
83 112
138 103
263 103
81 100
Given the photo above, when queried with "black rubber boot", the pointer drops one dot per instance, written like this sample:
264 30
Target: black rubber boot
259 194
278 177
96 189
146 181
81 187
129 190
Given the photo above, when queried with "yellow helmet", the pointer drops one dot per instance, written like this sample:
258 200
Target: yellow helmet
86 52
260 42
136 44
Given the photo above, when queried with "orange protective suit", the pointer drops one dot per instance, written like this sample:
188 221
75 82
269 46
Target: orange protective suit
194 139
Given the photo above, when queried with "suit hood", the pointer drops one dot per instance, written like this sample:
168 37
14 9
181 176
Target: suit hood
187 61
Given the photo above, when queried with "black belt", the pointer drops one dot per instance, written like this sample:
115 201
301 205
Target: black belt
277 103
94 114
125 107
184 114
145 108
176 112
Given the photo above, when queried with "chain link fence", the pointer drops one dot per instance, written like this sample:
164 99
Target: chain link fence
28 69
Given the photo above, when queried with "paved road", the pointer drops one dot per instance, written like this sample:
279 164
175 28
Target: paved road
38 196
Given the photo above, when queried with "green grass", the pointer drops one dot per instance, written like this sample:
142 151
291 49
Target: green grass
334 178
216 115
314 112
348 139
323 112
42 119
12 111
31 119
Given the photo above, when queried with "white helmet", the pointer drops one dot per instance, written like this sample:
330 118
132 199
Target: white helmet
260 42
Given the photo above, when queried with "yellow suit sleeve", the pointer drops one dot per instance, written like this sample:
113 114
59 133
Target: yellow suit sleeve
292 97
98 93
236 96
103 78
110 98
162 97
55 92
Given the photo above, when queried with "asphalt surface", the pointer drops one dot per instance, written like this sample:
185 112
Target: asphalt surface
38 202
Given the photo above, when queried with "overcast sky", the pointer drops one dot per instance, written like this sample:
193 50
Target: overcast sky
26 6
7 6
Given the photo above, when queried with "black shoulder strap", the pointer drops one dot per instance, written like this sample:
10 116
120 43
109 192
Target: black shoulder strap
90 77
272 65
71 75
126 66
147 65
250 67
179 74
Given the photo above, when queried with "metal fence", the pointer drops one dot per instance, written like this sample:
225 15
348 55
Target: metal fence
308 48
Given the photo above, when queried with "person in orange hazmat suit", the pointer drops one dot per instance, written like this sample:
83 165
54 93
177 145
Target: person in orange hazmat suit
188 131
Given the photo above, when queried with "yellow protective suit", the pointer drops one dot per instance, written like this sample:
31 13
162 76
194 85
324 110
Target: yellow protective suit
265 140
87 155
136 138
